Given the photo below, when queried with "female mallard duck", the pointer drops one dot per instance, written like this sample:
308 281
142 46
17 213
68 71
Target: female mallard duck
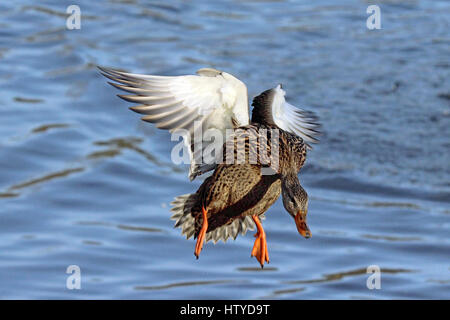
237 192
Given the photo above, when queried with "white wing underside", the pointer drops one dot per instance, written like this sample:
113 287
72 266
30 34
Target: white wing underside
208 100
292 119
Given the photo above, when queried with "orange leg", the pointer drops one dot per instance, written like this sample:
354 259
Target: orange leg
260 247
202 234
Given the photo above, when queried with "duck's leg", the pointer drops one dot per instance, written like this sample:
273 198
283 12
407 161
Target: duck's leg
202 233
260 247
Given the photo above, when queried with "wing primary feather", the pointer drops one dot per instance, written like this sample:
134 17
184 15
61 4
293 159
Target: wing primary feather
129 83
175 122
156 109
164 116
140 91
146 99
133 76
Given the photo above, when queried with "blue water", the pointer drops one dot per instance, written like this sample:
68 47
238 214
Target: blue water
84 182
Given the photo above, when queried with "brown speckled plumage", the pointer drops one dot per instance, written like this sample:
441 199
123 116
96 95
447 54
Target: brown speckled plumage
235 192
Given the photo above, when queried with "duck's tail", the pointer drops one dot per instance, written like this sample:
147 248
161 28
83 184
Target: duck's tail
182 207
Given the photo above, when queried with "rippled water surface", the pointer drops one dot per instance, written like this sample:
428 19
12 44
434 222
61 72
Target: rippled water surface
84 182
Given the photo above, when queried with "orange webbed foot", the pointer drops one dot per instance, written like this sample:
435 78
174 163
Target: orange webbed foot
202 233
260 246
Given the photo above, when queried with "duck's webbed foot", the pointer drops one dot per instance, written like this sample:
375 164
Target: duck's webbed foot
202 234
260 247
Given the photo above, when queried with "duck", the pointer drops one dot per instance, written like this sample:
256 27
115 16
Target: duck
259 160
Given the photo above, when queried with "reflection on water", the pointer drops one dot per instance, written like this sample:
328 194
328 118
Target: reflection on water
46 178
132 143
256 269
46 127
132 228
181 284
330 278
391 238
84 181
341 275
28 100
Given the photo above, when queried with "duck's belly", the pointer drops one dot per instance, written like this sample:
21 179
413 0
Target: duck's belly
238 191
271 195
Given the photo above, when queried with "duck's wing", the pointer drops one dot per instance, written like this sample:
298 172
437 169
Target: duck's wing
188 104
272 107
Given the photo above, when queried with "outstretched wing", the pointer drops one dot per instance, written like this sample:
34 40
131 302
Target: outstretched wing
210 99
271 106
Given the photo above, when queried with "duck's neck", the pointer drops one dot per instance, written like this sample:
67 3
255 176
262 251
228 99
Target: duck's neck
292 189
289 180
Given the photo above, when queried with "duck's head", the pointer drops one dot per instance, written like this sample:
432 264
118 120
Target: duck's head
295 201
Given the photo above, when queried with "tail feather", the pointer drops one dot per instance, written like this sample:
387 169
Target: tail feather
182 207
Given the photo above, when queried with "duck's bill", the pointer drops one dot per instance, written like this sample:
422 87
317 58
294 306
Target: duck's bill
302 227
